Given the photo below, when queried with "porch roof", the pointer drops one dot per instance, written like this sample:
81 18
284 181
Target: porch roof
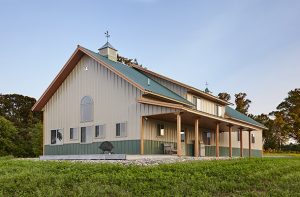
208 121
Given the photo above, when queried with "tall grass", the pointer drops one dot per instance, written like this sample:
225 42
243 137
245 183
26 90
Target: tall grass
254 177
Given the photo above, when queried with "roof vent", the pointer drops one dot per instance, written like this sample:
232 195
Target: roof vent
148 81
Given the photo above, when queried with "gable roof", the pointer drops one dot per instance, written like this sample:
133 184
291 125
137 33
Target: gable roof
131 75
234 114
190 88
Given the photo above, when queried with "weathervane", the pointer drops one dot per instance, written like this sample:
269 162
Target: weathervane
107 36
206 84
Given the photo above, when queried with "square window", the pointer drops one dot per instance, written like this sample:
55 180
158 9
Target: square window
100 131
56 136
253 138
73 134
121 129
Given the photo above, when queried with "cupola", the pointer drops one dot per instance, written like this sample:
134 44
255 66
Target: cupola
108 50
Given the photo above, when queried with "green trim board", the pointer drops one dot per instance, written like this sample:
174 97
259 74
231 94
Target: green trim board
120 147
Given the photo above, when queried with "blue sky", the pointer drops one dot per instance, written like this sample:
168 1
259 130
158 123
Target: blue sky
236 46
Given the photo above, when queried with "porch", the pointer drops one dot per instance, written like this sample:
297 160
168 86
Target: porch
195 134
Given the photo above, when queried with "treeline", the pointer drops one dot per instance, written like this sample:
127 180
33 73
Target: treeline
283 123
20 128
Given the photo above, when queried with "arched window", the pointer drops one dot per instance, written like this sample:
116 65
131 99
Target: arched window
86 109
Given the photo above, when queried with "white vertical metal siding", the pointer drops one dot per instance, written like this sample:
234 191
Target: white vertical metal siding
115 101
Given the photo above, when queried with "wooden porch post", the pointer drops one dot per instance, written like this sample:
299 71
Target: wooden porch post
197 138
142 135
229 137
241 141
178 135
250 141
217 139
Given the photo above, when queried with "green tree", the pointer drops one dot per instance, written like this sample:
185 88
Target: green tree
7 135
242 104
36 134
290 112
224 96
17 109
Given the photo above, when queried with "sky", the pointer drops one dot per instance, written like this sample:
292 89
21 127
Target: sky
236 46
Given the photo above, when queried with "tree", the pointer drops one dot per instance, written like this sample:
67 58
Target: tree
224 96
36 134
242 104
290 111
7 135
17 109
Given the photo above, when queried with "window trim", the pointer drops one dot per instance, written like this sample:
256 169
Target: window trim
86 141
76 136
125 130
104 131
62 133
81 109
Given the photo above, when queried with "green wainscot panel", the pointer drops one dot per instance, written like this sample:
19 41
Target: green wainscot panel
152 147
224 151
120 147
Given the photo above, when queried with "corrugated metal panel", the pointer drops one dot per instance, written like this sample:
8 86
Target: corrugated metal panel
224 152
114 101
120 147
140 78
182 91
237 115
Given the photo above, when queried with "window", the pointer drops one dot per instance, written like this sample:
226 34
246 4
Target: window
238 135
182 136
197 102
121 130
208 138
56 136
218 110
253 138
86 109
100 131
160 130
86 134
73 134
194 100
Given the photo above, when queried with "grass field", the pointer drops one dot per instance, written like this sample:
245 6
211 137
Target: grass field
282 154
240 177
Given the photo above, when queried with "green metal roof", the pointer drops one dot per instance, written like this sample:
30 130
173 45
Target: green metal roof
107 45
238 115
140 79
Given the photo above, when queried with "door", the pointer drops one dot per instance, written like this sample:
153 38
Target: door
183 142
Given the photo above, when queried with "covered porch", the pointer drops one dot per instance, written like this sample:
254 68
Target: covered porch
193 133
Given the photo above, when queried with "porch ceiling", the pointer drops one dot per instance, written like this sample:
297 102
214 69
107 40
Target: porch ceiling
189 119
